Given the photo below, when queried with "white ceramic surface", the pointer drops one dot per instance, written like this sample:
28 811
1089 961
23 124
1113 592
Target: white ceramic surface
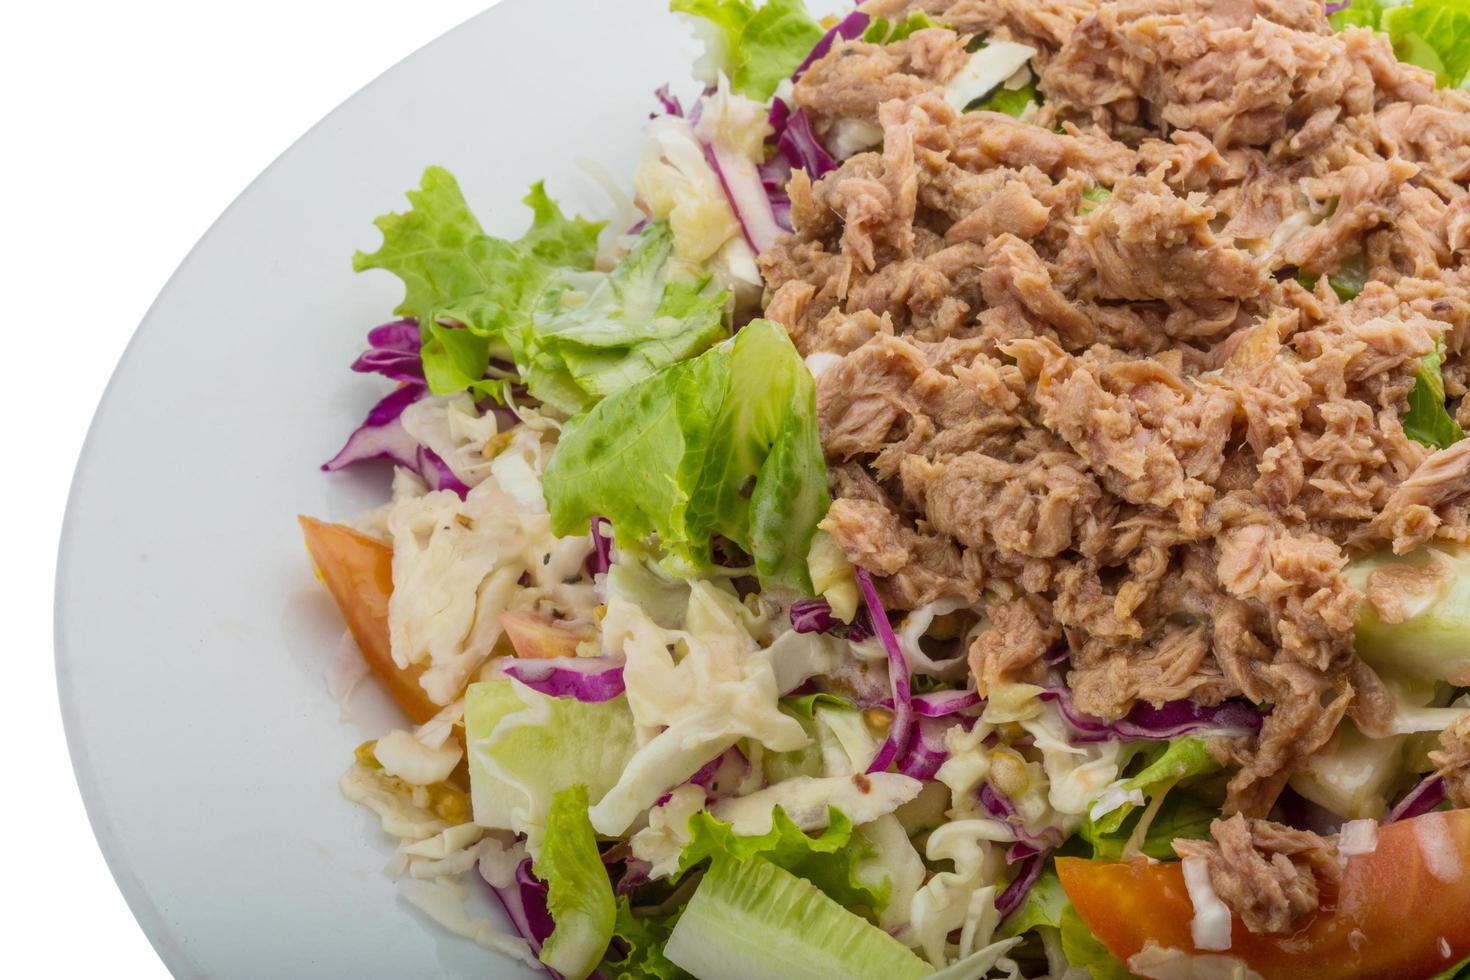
191 637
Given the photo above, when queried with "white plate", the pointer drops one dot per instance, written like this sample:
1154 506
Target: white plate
191 637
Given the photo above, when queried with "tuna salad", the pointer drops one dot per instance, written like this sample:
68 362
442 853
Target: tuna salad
989 499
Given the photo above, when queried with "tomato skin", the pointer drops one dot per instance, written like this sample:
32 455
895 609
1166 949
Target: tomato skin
358 571
538 637
1396 915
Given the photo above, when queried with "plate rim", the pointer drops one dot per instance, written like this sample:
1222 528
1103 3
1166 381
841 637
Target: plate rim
171 949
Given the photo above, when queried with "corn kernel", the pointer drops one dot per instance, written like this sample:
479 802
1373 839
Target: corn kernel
1008 773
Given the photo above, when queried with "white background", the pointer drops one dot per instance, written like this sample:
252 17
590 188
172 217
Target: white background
125 129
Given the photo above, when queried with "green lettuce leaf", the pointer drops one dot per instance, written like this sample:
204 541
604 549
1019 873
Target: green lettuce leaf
1433 34
1427 420
881 31
1085 950
525 747
725 443
452 271
593 335
757 48
579 894
750 918
1359 13
828 860
644 938
1013 102
1167 764
1043 907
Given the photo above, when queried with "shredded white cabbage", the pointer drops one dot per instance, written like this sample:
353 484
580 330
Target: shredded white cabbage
457 565
402 755
399 815
962 899
454 429
1210 927
806 800
663 840
706 685
988 68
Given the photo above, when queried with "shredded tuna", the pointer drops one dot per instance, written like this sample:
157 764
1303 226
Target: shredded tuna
1096 380
1266 873
1453 760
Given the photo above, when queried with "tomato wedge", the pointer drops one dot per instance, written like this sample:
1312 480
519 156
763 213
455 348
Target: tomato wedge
1401 912
538 637
358 571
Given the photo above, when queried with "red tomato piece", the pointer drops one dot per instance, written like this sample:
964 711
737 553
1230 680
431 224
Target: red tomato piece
1401 912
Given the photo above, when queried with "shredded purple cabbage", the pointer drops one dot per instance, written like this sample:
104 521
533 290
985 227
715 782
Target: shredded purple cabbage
850 27
437 474
382 435
601 558
590 679
1015 892
999 806
901 729
668 102
937 704
1424 797
1339 6
1168 721
393 351
524 901
926 752
812 616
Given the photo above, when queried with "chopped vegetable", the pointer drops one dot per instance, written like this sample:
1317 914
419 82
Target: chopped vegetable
1402 910
725 444
1427 420
578 893
752 919
755 47
358 571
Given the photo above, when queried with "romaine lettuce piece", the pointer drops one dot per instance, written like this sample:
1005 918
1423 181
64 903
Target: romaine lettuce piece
829 860
524 747
1432 643
757 48
579 894
752 919
725 443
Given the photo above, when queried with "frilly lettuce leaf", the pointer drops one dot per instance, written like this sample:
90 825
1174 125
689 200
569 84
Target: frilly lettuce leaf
643 937
750 918
725 443
575 335
1427 420
755 47
592 335
579 894
453 271
524 747
829 860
